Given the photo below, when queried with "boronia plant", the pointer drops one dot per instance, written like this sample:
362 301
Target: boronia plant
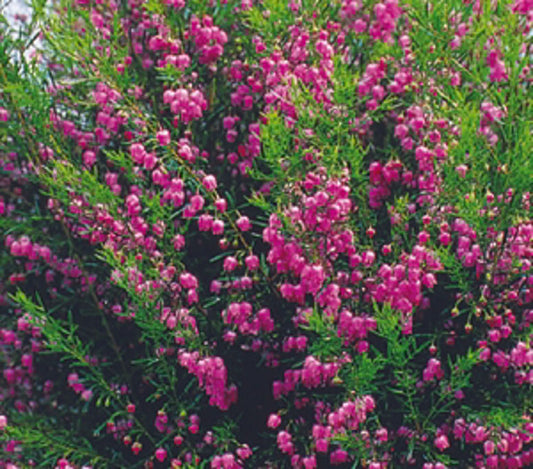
266 234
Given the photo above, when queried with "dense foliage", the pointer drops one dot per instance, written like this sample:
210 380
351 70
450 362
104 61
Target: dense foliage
266 234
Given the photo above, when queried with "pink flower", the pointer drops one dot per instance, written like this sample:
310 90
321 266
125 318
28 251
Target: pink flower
188 280
160 454
243 223
285 444
210 182
274 420
461 170
312 278
423 237
338 456
87 395
252 262
163 137
221 205
441 442
217 227
230 264
178 242
4 115
137 152
197 202
494 335
322 445
309 462
489 447
368 258
205 222
445 238
382 434
89 158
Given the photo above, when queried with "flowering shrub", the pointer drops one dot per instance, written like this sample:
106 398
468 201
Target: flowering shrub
266 234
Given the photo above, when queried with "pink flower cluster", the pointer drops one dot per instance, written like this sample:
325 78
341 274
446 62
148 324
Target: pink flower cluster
186 105
228 460
185 249
350 414
401 285
37 254
320 214
240 314
500 448
355 329
380 25
212 375
498 72
314 374
433 370
491 116
208 39
78 387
